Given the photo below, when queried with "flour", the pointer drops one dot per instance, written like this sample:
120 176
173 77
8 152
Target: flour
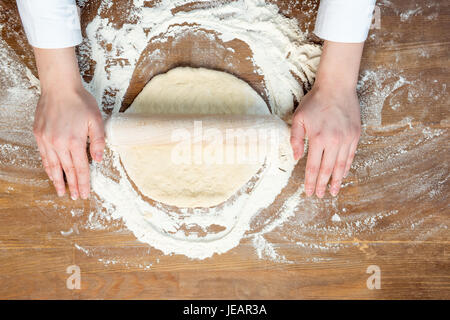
404 152
336 218
166 229
406 15
280 53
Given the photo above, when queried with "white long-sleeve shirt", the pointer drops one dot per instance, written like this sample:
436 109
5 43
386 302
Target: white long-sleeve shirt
344 20
50 24
55 23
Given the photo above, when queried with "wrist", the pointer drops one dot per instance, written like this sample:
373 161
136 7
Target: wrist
335 84
332 86
339 66
58 70
59 84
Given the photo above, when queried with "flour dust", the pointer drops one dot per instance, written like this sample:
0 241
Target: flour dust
398 155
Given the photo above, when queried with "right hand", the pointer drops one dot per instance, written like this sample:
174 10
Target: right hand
65 117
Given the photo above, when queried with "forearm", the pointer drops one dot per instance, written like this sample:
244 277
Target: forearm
58 69
339 65
329 116
66 116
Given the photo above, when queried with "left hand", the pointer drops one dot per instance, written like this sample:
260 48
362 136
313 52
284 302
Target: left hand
330 118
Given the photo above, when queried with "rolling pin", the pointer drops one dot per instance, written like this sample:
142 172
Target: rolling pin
124 129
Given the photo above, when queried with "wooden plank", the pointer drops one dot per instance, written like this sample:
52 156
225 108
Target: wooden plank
41 235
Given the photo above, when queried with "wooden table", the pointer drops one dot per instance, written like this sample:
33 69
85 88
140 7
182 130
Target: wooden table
405 193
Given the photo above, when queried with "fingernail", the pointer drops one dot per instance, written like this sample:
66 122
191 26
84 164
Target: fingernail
99 156
74 196
309 192
60 193
320 194
334 192
84 195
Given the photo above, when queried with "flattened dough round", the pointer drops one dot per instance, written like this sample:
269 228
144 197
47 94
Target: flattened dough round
190 91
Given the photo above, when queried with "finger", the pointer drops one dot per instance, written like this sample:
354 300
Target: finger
312 166
339 169
297 139
69 169
43 154
326 169
97 136
351 156
55 169
80 161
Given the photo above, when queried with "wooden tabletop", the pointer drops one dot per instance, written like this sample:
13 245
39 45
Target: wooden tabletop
393 208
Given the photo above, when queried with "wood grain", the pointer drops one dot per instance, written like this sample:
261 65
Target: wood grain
41 235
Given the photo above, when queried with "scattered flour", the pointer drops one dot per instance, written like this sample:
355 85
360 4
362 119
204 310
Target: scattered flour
278 48
407 14
280 53
336 218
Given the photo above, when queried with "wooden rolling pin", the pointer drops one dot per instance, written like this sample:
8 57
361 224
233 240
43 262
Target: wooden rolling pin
138 129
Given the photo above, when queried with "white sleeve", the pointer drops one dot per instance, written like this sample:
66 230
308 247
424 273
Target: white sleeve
50 24
344 20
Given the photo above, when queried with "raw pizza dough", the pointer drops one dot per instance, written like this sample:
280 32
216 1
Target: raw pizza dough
190 91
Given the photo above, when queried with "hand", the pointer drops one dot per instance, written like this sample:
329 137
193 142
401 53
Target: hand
331 121
63 121
329 116
66 115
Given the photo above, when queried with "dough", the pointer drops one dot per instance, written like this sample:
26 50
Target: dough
190 91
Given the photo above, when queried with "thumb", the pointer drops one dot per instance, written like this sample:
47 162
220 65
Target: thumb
297 137
97 138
